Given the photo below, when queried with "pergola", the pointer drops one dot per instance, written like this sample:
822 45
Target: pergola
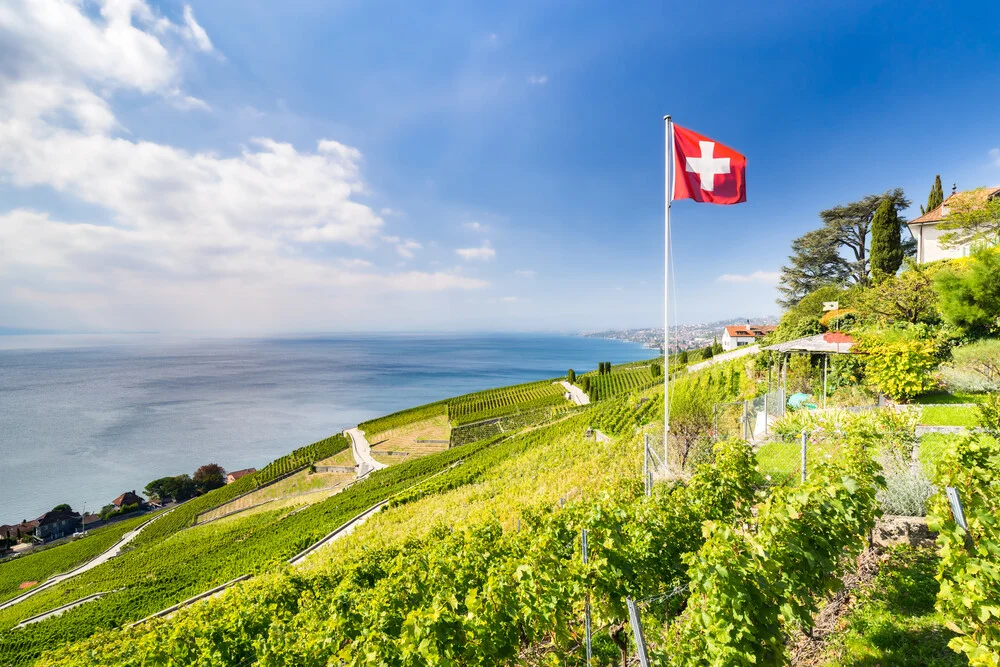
826 344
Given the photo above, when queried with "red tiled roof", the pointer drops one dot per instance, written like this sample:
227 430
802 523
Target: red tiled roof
744 331
938 214
236 474
127 498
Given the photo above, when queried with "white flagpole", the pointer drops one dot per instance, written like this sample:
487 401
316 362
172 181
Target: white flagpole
668 154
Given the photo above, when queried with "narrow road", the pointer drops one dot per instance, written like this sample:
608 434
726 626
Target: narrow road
89 565
576 394
362 451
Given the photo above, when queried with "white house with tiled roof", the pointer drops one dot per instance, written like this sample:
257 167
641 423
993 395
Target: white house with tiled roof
742 335
927 232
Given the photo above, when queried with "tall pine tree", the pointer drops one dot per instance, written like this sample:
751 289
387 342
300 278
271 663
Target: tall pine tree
815 262
935 198
886 244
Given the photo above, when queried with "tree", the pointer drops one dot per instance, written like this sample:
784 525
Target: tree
682 358
973 217
899 367
62 508
850 223
908 297
935 198
607 367
209 476
969 297
654 370
690 419
716 346
803 319
815 262
585 384
571 376
886 244
707 353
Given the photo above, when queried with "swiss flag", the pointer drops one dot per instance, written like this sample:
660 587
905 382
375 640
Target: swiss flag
707 171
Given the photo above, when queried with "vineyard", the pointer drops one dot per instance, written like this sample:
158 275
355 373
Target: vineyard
509 424
63 558
430 597
498 402
190 561
624 414
374 427
186 514
621 380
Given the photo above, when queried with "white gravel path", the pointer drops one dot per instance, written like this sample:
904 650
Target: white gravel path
362 451
576 394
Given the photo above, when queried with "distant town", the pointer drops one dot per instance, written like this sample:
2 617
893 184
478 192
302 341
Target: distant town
683 336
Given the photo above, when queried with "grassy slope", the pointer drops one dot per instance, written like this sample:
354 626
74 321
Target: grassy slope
893 621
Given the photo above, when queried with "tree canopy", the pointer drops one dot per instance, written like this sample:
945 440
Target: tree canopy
969 296
850 225
936 196
209 476
886 243
973 217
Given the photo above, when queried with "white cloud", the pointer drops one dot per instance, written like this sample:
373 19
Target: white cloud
185 230
476 226
525 273
538 79
995 156
482 253
509 299
389 212
404 248
762 277
195 32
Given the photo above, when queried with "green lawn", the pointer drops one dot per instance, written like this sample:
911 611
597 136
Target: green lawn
782 461
938 397
950 415
892 622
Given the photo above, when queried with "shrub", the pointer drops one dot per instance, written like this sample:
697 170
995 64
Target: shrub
907 489
969 298
899 368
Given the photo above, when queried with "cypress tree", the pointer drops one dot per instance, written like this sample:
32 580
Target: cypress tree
607 367
936 197
683 357
886 249
571 376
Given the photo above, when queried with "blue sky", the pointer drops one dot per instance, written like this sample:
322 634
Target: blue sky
315 165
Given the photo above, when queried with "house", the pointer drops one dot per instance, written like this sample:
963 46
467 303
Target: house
57 523
91 521
18 530
927 232
742 335
128 498
236 474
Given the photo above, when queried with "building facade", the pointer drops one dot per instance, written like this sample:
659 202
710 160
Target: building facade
737 336
927 231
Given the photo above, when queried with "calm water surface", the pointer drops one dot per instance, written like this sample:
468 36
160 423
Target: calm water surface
84 418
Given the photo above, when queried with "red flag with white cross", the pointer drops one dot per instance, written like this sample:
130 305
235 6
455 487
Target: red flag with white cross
707 171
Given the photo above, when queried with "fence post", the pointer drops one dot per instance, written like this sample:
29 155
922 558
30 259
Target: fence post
765 407
640 639
746 420
583 540
957 510
805 437
645 462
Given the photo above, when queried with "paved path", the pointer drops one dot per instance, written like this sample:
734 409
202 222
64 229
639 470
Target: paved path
89 565
362 451
724 357
575 393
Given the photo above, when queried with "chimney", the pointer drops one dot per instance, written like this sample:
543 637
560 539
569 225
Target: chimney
954 188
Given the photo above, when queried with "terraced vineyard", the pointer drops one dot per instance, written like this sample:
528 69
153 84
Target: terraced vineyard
402 418
506 400
509 423
620 380
626 413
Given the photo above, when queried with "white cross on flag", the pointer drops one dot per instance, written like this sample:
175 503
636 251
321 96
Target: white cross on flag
707 171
